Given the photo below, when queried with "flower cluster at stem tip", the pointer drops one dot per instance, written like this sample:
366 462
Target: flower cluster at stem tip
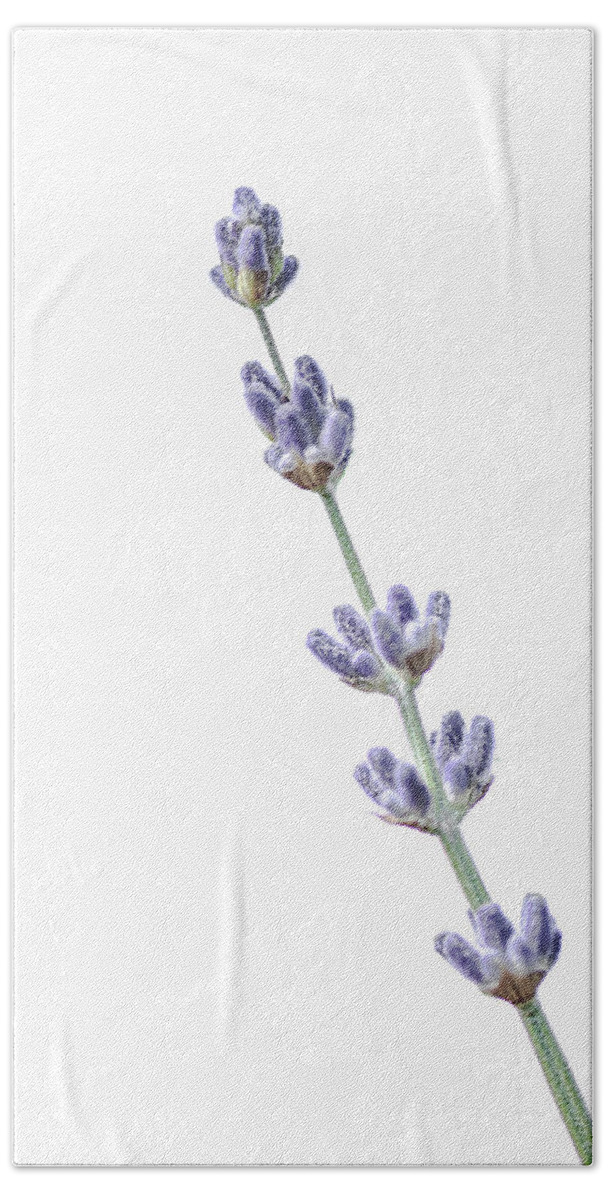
252 269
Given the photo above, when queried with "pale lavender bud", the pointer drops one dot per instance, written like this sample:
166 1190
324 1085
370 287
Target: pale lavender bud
311 408
449 737
383 763
254 373
366 665
353 627
251 250
307 371
227 234
400 604
270 219
284 278
457 951
262 406
246 205
387 637
330 652
411 789
367 780
478 745
216 276
536 924
491 926
438 606
291 429
334 436
458 776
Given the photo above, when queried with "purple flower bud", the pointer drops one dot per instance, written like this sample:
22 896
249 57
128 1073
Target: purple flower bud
251 251
449 739
387 637
330 652
478 746
411 789
536 924
246 205
270 219
519 957
365 665
457 951
311 408
367 780
353 627
227 234
291 429
254 373
400 604
457 775
284 278
345 406
438 606
491 926
216 276
309 372
383 763
334 436
262 406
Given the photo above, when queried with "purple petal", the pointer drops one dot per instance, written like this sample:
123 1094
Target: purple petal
353 627
246 205
478 745
371 786
365 664
308 371
270 218
284 278
519 956
334 435
383 763
400 604
311 408
263 409
536 924
438 606
217 277
556 945
227 234
254 373
449 737
458 775
491 926
291 429
252 249
457 951
387 637
329 652
411 789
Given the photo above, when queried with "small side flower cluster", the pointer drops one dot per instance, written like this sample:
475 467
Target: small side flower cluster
252 269
508 964
311 430
464 759
395 638
397 788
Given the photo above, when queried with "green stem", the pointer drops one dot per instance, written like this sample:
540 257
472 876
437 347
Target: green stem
351 558
557 1072
271 347
559 1077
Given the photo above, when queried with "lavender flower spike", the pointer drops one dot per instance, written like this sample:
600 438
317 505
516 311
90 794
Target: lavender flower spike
312 432
507 963
396 787
252 270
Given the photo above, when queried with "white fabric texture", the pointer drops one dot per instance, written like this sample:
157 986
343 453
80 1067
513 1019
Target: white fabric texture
221 956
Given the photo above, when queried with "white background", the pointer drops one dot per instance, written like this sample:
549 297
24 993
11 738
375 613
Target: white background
107 17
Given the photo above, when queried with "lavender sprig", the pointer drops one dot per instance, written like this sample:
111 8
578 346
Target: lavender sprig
390 652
